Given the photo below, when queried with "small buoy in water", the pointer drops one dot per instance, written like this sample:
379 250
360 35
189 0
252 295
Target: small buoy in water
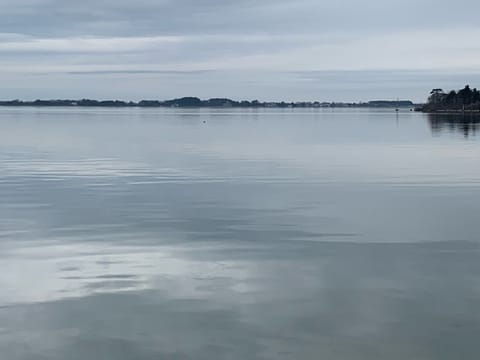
204 121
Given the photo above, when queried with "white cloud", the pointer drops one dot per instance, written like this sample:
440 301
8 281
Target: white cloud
78 44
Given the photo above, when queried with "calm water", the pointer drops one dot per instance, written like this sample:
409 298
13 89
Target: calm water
252 234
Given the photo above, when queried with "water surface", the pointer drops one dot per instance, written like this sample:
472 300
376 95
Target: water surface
238 234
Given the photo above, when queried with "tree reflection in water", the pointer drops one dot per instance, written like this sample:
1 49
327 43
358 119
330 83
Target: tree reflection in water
464 123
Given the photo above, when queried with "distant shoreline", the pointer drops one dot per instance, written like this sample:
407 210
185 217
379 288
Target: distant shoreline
193 102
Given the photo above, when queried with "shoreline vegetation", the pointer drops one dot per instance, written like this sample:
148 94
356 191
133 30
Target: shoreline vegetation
466 100
194 102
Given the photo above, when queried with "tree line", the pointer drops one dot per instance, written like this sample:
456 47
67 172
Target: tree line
196 102
464 99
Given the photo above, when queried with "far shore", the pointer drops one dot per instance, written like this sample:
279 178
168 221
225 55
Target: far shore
193 102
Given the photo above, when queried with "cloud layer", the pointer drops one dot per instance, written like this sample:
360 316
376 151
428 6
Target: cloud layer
237 40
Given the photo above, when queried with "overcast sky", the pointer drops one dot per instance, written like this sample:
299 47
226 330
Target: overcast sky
267 49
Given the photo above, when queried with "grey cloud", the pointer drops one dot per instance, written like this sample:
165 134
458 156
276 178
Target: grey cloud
120 17
139 84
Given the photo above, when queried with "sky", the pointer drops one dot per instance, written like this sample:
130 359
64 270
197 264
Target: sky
325 50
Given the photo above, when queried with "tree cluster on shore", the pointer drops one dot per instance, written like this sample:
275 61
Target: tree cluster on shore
466 99
196 102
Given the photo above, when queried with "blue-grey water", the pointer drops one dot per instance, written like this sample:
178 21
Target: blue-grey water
238 234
